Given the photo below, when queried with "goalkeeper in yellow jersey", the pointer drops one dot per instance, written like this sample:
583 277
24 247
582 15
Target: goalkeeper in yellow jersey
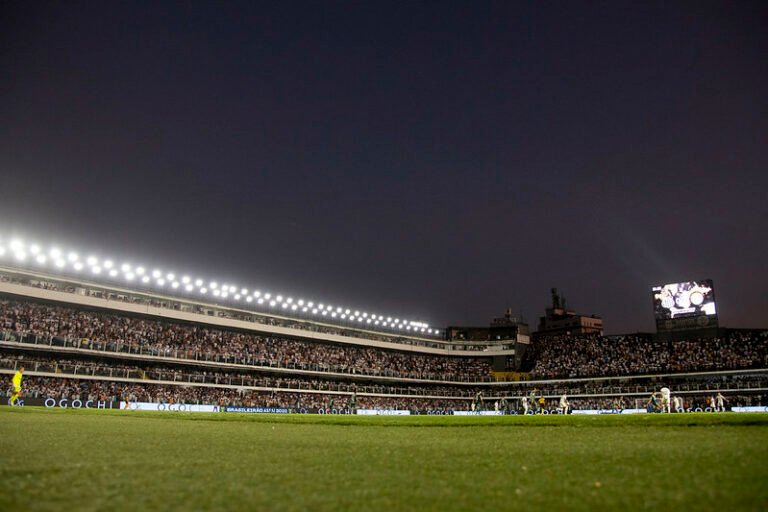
16 386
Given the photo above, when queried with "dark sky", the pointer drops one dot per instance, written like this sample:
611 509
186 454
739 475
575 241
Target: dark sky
441 161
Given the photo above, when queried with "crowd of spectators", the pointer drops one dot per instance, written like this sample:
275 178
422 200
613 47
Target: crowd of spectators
108 331
76 389
597 356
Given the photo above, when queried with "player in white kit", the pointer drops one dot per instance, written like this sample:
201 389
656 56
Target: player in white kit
665 400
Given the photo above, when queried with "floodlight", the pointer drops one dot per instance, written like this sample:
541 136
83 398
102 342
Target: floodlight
185 279
343 315
304 309
237 296
279 298
92 260
244 291
112 273
156 274
285 305
198 282
170 277
260 301
346 311
376 322
96 270
60 263
203 290
249 299
338 310
213 285
367 320
108 264
216 293
175 284
365 315
125 267
129 276
160 282
72 257
2 250
325 313
140 271
225 294
17 245
267 296
300 302
78 266
289 300
34 249
189 287
310 304
272 303
314 311
55 253
40 259
232 288
257 293
320 306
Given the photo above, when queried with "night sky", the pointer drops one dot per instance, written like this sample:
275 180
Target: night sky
441 161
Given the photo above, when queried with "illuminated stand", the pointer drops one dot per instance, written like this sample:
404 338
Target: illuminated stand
685 310
16 253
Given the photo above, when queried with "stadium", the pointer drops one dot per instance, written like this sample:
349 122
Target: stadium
102 337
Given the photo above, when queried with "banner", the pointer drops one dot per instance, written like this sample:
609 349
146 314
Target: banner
150 406
66 403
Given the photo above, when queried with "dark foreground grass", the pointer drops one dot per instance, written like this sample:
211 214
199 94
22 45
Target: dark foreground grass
131 460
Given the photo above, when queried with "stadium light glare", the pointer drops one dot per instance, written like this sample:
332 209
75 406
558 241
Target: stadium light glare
160 282
272 303
310 304
175 285
185 279
129 276
333 314
289 300
300 302
96 270
72 257
249 299
237 296
17 245
304 309
170 276
260 301
198 282
156 274
279 298
34 249
257 293
55 253
314 311
189 287
112 272
216 292
78 266
285 305
203 290
92 260
224 294
145 279
41 259
124 267
140 271
244 291
213 285
108 264
2 250
267 296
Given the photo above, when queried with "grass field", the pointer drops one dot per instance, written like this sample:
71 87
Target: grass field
63 459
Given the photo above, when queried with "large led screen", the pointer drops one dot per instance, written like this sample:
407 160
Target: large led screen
680 300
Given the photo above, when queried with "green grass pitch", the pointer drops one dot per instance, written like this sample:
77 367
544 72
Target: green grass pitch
131 460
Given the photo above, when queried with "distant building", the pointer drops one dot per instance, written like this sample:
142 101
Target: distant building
561 320
508 336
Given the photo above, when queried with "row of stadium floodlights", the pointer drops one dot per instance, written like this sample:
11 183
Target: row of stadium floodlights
34 256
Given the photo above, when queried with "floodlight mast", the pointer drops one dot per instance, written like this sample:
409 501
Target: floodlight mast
18 253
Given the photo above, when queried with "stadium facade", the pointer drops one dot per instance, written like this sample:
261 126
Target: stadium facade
101 343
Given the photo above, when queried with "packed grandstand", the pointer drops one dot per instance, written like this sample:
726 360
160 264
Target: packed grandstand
82 343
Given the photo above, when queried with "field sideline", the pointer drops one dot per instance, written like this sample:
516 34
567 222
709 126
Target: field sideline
54 459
